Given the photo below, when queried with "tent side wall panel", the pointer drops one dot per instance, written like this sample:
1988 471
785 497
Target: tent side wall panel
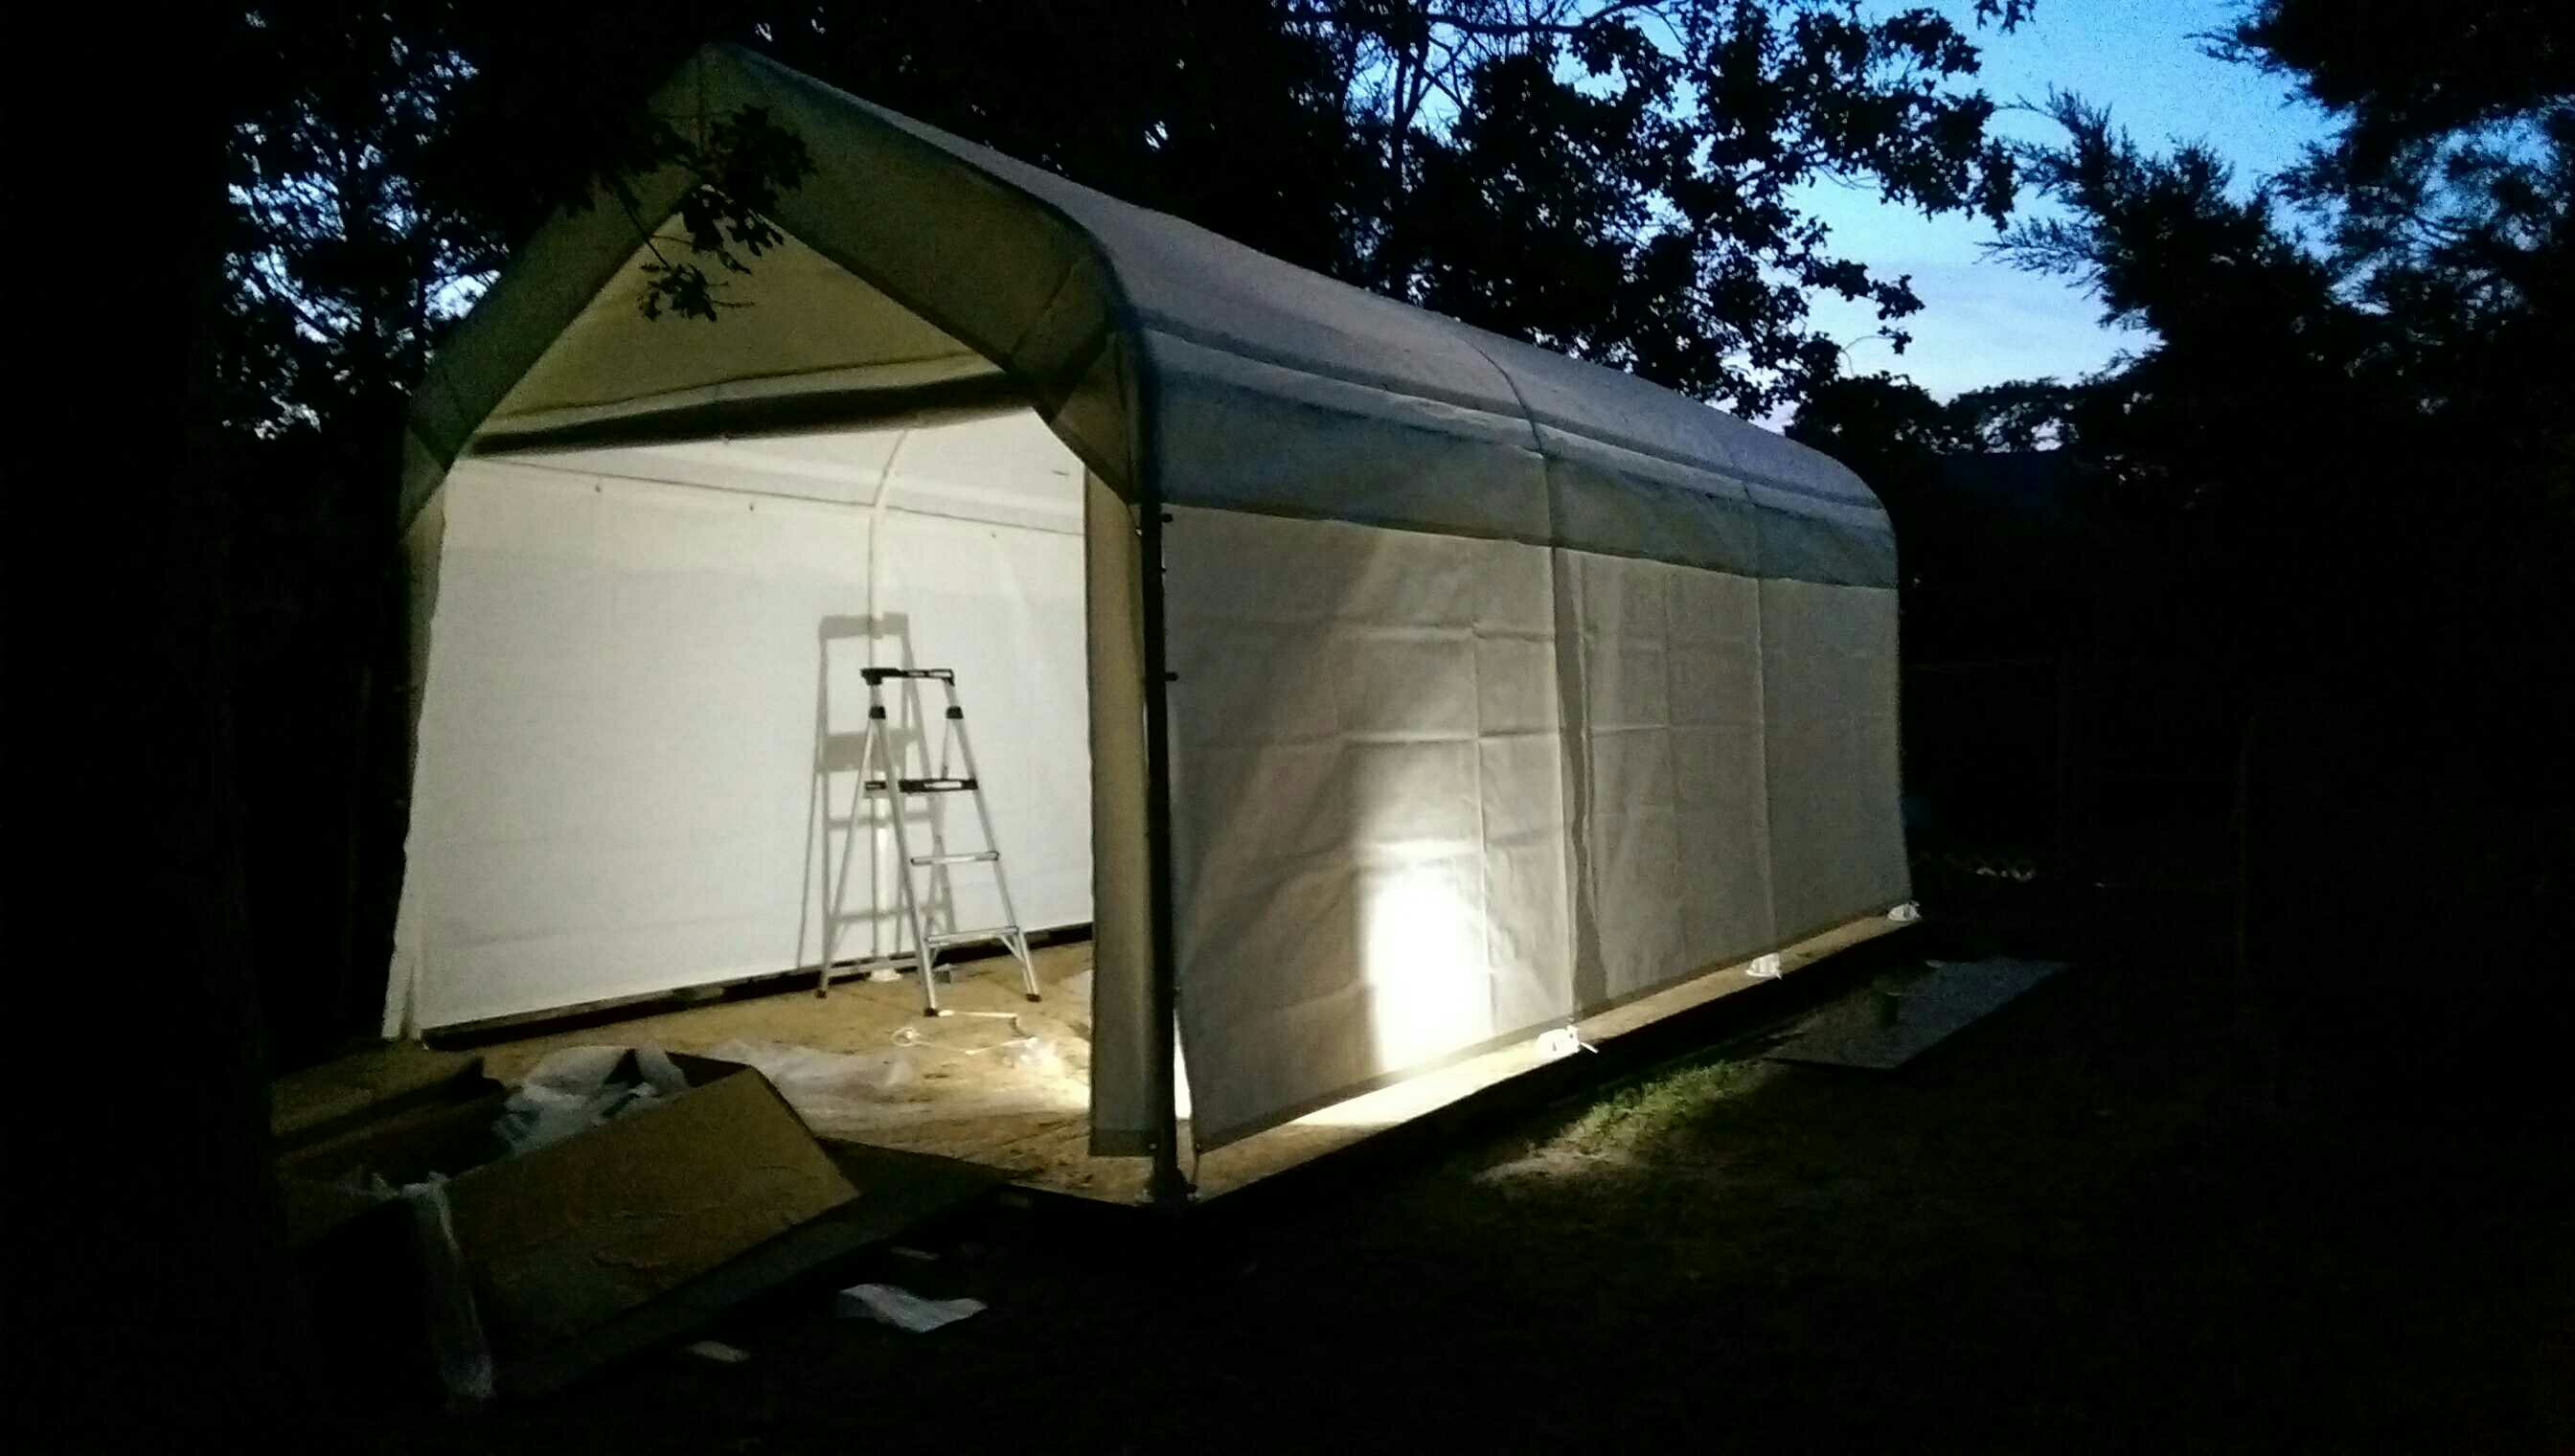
1838 836
1431 792
615 787
1368 866
1676 834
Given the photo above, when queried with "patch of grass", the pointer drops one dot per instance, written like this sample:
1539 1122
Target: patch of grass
1641 1111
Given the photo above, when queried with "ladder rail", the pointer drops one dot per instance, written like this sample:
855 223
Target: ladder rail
1019 936
888 785
836 900
936 779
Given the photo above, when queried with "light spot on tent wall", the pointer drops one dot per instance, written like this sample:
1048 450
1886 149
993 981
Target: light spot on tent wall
1421 958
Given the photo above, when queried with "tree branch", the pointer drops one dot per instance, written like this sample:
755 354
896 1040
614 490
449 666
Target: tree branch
1476 25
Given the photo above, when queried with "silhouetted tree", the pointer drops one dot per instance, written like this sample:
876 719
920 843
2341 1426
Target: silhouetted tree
1621 181
2307 392
1616 180
1997 552
2358 439
1888 428
2025 414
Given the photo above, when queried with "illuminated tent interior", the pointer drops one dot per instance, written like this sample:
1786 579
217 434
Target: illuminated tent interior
1492 689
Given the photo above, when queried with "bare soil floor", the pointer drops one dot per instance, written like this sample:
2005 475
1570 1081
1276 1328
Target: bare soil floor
2099 1221
968 1092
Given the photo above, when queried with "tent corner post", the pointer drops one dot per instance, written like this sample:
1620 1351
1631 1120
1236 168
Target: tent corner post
1168 1188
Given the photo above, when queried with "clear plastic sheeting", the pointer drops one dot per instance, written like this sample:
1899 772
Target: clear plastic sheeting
455 1327
577 1088
892 1304
824 1086
1035 1055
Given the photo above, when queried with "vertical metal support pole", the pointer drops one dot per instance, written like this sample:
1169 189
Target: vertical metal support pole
1168 1187
818 821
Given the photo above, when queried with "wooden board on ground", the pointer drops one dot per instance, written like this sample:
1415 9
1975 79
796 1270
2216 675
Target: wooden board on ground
320 1101
1886 1025
898 1191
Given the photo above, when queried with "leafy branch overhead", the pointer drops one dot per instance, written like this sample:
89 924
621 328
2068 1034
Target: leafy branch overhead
2348 375
1628 182
741 169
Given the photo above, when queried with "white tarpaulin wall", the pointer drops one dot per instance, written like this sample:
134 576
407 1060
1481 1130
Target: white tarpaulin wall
1434 791
1505 687
617 791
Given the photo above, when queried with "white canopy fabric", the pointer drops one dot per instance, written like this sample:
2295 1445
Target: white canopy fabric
1506 688
1367 409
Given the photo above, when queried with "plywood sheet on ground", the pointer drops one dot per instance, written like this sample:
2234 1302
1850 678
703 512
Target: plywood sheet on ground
306 1105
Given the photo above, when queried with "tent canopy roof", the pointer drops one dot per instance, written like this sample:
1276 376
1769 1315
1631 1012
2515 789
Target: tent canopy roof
925 272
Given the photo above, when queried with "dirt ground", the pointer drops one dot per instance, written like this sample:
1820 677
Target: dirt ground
2094 1222
964 1091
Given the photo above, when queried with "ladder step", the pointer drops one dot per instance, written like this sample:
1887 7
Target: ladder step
959 937
924 786
975 856
865 964
875 675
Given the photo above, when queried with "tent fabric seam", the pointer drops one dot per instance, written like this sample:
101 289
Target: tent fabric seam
1133 321
1218 342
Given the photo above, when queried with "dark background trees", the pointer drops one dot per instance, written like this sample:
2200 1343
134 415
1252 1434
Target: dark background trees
2348 392
2333 489
2351 375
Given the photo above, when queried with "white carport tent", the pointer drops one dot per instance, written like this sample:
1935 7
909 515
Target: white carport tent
1501 688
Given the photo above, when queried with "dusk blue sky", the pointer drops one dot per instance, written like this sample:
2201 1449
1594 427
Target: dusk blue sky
1983 323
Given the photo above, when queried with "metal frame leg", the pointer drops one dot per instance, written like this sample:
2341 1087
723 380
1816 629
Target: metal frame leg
889 783
1016 943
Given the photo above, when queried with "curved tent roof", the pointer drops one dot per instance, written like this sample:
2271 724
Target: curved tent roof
927 271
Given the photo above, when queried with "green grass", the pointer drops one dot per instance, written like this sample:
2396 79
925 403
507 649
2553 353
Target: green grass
1660 1105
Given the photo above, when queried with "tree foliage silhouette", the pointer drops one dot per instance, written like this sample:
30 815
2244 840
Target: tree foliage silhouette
2348 376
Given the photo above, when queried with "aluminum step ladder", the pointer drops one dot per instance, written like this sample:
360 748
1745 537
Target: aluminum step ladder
882 781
